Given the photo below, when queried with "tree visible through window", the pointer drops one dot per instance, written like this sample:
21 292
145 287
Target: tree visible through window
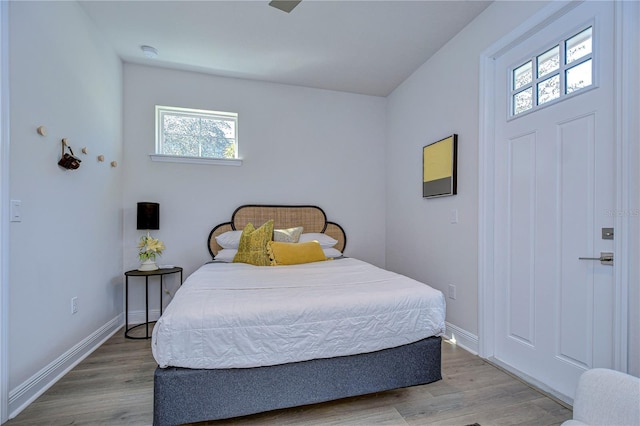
196 133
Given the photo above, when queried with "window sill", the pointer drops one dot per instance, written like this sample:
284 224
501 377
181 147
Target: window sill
196 160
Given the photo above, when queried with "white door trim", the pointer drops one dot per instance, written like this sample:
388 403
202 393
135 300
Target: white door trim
626 110
4 206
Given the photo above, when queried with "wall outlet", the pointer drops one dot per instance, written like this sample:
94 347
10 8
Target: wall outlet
74 305
452 292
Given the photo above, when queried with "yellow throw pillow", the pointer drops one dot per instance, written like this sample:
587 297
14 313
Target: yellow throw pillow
295 253
253 245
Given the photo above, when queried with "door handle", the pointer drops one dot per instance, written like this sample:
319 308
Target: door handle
606 258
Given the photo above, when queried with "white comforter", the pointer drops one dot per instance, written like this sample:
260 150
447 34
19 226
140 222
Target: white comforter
238 315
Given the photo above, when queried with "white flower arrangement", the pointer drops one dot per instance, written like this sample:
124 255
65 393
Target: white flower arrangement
149 248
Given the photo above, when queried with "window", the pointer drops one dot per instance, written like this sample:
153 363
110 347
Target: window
564 69
193 135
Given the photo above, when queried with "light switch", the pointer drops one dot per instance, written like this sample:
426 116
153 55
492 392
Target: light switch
453 216
14 212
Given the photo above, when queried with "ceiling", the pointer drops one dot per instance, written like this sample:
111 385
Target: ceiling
357 46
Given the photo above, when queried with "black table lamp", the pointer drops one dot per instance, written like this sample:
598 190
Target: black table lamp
148 216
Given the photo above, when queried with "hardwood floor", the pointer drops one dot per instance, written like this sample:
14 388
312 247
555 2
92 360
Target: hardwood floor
114 386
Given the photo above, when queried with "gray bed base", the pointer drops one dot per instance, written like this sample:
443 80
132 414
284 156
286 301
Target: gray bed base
183 395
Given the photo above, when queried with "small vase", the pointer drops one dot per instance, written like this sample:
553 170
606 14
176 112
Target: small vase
148 265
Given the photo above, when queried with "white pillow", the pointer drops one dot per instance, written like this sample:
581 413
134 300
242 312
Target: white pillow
229 239
289 235
324 240
226 255
331 252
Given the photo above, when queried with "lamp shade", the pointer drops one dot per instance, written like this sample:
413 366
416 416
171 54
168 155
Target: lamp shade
148 215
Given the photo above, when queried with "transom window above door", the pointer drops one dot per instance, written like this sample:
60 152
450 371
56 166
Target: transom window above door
552 75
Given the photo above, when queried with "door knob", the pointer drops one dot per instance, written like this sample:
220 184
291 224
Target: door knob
606 258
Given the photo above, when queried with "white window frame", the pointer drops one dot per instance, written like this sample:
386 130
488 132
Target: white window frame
560 71
191 112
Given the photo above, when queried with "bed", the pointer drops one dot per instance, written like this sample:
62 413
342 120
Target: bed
240 339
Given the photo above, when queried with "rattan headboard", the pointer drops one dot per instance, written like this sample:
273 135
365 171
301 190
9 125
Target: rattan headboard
311 218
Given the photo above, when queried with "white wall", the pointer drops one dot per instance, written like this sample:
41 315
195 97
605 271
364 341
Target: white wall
439 99
298 145
69 242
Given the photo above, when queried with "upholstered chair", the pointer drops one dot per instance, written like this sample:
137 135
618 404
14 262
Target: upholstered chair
606 397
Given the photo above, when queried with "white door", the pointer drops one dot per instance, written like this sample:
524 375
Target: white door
554 188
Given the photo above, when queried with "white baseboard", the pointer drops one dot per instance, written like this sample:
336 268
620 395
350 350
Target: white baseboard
463 338
27 392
